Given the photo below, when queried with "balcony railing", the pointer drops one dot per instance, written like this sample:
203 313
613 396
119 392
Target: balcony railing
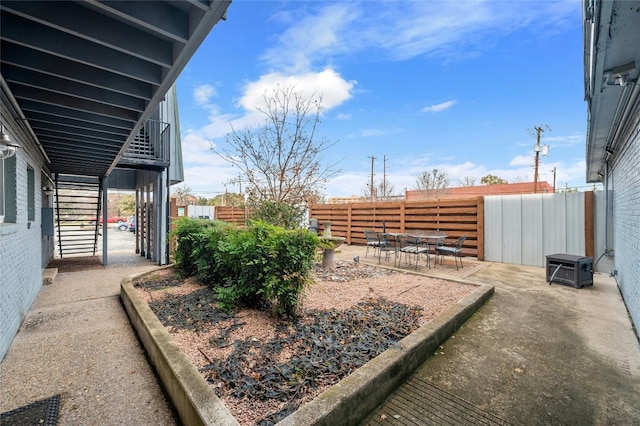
150 145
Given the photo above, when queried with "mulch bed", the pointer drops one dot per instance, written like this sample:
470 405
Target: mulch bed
321 348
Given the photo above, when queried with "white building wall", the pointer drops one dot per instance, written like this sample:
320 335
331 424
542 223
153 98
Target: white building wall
20 243
624 182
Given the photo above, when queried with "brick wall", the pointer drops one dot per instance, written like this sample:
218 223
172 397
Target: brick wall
625 187
20 245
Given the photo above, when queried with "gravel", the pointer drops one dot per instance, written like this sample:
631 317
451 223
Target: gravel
241 345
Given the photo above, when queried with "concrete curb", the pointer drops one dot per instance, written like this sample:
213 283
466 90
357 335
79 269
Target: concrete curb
348 402
191 395
356 396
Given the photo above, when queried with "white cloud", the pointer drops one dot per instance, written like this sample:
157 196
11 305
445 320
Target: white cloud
312 37
328 84
203 93
439 107
368 133
522 160
404 30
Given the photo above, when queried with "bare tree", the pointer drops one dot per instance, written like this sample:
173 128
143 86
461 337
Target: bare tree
467 181
381 191
436 183
184 195
282 161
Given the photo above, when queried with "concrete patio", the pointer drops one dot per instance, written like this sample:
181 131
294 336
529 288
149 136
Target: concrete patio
534 354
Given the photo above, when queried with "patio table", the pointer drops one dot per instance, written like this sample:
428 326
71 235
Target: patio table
434 239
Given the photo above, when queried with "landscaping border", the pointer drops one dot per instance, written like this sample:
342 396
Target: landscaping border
347 402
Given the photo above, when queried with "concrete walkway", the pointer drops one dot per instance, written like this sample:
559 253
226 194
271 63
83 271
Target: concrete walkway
77 341
535 354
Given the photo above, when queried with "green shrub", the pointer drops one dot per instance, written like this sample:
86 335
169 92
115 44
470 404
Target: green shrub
263 264
285 215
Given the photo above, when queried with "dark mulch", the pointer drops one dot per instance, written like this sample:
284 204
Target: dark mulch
76 264
321 348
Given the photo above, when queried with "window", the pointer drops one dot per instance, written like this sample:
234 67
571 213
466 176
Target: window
31 194
8 190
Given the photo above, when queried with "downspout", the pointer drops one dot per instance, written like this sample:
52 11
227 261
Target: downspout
607 216
623 110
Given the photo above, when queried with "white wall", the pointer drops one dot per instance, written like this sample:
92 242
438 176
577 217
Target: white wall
524 229
624 183
20 242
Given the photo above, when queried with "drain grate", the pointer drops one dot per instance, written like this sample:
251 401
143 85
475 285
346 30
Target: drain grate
417 402
43 412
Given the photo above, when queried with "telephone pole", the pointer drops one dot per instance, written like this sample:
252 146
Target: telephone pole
384 176
371 189
545 151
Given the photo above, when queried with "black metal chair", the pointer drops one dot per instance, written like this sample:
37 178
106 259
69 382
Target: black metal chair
388 244
372 241
454 250
413 245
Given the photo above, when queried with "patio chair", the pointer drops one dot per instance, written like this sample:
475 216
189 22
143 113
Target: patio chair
388 244
372 241
454 250
413 245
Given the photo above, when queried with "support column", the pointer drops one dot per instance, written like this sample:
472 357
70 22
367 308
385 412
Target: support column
105 223
147 224
137 216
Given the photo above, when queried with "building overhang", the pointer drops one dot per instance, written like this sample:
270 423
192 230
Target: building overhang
83 77
612 66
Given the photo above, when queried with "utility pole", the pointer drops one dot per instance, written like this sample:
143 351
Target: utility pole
384 176
545 151
373 159
537 150
554 180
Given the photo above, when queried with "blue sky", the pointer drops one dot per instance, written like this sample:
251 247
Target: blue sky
456 86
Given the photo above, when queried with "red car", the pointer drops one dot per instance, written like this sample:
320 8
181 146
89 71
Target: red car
112 219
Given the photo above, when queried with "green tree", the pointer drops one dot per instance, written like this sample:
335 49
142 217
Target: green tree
491 180
127 205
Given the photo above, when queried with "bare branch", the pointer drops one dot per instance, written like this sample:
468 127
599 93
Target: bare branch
282 160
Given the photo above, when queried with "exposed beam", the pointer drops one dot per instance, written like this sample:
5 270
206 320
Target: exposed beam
25 92
34 107
29 34
158 17
54 84
36 60
79 21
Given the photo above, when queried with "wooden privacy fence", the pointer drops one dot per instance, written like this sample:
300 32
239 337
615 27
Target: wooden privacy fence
454 217
230 214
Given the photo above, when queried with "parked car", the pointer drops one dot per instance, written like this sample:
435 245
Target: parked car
121 226
132 224
112 219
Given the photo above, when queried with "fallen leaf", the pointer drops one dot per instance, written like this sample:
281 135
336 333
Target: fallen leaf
518 370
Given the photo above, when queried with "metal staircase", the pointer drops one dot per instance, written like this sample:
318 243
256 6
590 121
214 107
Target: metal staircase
78 206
